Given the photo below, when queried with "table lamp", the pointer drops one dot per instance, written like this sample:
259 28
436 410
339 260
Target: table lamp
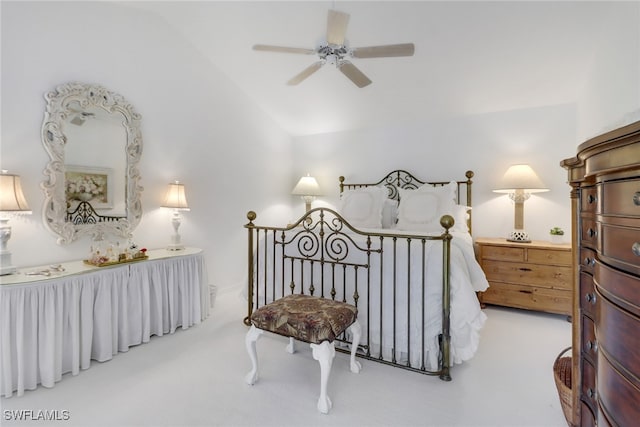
12 202
519 181
176 200
308 189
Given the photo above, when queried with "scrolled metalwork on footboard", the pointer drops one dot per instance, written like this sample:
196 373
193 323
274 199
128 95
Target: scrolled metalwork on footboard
383 274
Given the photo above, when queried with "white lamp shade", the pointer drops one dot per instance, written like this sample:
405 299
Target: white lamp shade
176 197
520 177
11 196
307 186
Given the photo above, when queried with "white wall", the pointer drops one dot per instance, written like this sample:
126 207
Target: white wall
611 95
444 149
196 125
199 128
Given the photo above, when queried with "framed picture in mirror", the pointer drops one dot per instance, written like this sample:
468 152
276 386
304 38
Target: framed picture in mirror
88 184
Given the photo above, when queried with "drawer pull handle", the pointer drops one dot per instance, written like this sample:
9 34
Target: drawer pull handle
591 393
592 233
593 346
636 248
524 269
590 298
591 198
636 198
587 261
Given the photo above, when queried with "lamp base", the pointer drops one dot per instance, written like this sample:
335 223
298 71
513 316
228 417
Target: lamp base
175 247
519 236
5 264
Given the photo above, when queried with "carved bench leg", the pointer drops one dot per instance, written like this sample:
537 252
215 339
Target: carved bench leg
250 342
356 331
324 354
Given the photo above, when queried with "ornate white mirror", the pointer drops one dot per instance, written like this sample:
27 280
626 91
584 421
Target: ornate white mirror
94 143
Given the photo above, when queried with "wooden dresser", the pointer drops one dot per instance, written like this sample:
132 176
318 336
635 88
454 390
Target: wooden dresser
605 180
534 276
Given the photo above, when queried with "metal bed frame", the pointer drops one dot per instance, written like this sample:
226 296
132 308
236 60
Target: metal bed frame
316 255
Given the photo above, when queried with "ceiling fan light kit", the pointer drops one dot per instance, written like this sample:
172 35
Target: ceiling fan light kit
335 52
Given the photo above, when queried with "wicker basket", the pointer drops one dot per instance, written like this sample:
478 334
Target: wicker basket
562 377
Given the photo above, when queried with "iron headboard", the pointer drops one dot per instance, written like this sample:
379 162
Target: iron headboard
402 179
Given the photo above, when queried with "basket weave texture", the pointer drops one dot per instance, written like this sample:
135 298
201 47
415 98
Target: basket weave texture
562 377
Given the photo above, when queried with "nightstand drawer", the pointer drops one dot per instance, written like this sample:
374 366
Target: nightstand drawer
503 253
529 297
530 274
544 256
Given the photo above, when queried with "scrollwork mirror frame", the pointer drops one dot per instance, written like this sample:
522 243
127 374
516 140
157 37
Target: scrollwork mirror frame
58 110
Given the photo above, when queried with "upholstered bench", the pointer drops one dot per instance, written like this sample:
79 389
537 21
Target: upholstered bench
317 321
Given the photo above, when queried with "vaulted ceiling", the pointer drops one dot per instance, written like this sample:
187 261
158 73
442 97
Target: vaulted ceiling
470 57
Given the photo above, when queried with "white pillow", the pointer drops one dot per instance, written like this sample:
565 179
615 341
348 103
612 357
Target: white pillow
421 209
362 207
460 214
389 213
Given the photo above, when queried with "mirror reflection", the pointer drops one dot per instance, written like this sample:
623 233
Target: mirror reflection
95 161
93 139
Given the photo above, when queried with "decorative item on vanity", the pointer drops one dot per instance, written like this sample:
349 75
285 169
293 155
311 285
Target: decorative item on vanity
12 201
307 188
519 181
556 234
103 254
176 199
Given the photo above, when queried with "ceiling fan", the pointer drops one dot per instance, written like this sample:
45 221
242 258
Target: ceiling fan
335 51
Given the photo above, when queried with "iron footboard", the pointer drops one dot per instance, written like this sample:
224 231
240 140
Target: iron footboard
385 275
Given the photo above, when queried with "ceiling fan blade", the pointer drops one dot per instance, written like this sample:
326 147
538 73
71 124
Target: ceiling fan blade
405 49
282 49
354 74
337 27
305 73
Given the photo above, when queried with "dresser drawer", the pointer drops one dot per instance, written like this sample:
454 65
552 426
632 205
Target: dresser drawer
589 343
621 198
588 299
528 297
550 257
618 397
589 233
623 245
618 335
531 274
589 199
619 286
587 419
588 390
587 260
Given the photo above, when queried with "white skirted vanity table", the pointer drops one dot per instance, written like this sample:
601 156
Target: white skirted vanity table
57 323
56 319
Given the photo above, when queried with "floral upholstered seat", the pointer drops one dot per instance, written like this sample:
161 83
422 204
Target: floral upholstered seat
314 320
305 318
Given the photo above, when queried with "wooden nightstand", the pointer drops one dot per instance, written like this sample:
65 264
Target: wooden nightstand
534 276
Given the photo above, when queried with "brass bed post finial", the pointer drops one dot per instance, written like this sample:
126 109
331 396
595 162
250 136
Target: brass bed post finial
469 175
341 179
